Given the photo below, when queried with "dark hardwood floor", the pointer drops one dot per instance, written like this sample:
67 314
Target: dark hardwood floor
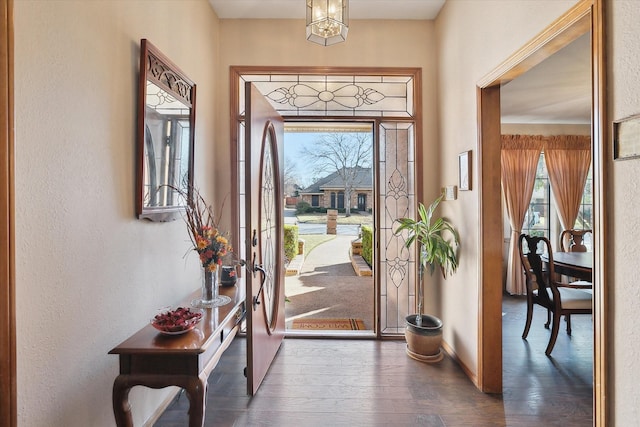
318 382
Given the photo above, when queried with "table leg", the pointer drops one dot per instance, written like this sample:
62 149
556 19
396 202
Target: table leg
121 406
197 392
195 386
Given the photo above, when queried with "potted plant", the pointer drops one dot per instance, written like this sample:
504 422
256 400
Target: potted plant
437 241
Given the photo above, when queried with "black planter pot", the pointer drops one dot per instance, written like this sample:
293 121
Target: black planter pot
423 341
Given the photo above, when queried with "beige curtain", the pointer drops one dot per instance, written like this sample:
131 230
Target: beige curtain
568 158
519 159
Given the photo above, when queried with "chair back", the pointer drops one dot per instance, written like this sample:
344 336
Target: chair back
572 240
538 272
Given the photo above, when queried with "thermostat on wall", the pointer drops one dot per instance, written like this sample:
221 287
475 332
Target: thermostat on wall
450 192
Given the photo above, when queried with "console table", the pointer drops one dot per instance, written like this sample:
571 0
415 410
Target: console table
154 360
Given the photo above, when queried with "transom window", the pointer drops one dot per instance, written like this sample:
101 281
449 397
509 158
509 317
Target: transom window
334 95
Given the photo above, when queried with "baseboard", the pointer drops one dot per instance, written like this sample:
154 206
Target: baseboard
468 372
155 416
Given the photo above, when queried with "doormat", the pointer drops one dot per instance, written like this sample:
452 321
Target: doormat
328 324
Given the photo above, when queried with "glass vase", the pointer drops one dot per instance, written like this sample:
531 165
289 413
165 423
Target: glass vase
210 294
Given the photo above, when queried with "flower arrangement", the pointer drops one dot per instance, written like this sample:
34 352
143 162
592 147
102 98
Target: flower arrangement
211 244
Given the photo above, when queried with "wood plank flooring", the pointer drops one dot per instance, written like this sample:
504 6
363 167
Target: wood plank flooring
330 382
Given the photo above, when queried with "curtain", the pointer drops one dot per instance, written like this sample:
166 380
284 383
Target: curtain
568 158
519 161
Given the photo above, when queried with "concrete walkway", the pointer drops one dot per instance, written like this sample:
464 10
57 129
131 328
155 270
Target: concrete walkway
327 286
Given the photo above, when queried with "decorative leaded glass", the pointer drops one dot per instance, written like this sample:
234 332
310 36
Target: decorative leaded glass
390 99
334 95
268 227
396 200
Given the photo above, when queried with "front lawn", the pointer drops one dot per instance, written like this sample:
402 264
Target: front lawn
356 218
313 240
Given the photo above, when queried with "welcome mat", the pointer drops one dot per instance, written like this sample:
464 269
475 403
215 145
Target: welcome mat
328 324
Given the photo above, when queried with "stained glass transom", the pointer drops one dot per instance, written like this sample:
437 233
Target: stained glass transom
334 95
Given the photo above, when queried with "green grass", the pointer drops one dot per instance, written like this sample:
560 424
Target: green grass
313 240
320 218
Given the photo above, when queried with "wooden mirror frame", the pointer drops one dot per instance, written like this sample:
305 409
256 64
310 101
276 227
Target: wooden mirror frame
157 194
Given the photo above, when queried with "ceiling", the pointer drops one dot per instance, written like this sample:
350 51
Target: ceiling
358 9
557 90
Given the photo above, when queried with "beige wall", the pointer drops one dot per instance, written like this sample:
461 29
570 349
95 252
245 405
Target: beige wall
474 37
464 59
88 274
370 44
624 220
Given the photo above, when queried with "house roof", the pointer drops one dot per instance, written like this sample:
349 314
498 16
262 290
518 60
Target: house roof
363 181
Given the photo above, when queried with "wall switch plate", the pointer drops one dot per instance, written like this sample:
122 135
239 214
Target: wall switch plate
450 192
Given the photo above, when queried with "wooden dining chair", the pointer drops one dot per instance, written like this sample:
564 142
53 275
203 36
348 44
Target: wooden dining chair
560 299
572 240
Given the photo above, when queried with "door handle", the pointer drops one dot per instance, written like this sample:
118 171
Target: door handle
256 298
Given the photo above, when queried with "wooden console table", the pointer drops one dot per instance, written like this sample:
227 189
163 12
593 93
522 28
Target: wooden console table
151 359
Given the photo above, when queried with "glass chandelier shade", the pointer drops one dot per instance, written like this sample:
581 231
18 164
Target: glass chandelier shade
327 21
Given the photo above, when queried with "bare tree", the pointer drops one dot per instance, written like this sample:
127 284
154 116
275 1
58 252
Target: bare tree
343 153
291 176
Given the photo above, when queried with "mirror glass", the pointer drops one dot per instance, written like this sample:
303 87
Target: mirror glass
165 136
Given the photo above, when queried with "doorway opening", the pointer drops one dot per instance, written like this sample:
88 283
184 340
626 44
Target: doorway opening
329 228
388 100
577 21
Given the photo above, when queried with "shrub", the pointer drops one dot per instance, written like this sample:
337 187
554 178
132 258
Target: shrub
290 241
303 207
367 244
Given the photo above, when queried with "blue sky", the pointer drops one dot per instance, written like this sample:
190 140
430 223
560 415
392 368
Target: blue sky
294 145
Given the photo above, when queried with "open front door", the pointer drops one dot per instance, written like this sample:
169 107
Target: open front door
265 248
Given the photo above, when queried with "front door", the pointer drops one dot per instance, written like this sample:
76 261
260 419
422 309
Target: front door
265 249
362 202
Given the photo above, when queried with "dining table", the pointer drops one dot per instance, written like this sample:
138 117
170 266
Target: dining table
572 264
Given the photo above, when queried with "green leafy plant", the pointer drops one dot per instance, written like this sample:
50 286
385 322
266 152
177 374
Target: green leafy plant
434 249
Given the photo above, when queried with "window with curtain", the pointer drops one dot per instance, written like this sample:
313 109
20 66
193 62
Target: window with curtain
538 217
585 214
537 221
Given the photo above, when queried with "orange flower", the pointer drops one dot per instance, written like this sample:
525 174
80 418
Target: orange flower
210 244
201 242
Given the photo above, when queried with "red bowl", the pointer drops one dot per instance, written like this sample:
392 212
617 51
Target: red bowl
177 321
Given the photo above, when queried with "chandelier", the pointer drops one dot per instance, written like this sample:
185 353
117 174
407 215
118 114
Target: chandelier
327 21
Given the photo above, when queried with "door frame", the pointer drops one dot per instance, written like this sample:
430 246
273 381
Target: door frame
8 390
586 15
235 74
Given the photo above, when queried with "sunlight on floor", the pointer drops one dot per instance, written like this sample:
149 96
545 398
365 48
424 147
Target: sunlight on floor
307 314
296 289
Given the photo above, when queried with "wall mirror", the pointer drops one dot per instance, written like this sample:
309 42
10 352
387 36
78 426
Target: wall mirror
166 119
